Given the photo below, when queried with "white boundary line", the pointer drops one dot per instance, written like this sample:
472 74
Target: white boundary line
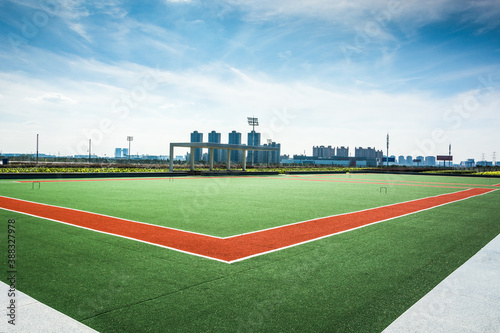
114 217
357 211
112 234
228 237
344 231
254 255
401 182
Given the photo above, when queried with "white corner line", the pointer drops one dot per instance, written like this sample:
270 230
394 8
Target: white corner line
254 255
352 229
114 217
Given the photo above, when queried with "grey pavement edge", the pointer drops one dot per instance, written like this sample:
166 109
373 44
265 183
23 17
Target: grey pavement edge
468 300
31 316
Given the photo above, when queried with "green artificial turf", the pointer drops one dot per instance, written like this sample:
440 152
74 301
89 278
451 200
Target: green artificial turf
221 206
358 281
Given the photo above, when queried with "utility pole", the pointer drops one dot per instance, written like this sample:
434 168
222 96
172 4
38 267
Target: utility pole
90 150
449 154
387 161
37 148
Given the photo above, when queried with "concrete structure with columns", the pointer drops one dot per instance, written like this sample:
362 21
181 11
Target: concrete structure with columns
212 146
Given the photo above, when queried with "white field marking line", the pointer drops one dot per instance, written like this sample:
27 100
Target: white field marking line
246 233
227 237
76 180
117 235
392 182
337 176
243 258
358 211
399 181
344 231
114 217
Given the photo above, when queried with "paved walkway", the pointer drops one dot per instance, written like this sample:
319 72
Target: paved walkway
468 300
35 317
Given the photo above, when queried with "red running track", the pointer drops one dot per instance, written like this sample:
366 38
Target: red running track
235 248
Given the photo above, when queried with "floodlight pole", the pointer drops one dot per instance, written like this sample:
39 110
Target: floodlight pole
37 136
252 121
253 141
269 142
387 161
90 150
129 139
449 154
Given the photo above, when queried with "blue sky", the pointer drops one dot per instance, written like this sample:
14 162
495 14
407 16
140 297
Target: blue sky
340 73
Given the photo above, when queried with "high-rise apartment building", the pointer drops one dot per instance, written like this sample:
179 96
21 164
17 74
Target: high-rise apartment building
323 152
235 139
272 157
254 140
343 151
430 161
215 137
197 137
369 153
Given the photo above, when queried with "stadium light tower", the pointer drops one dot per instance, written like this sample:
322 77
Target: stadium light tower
37 136
129 139
252 121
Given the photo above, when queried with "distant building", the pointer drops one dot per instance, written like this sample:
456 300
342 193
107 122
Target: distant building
342 152
215 137
272 157
401 160
470 163
121 153
323 152
409 160
369 153
254 140
484 163
419 161
236 155
430 161
334 161
197 137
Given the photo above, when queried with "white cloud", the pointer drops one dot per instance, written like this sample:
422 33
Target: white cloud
408 15
299 114
56 98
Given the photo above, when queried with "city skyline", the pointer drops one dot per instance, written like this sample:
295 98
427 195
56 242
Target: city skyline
316 151
315 73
